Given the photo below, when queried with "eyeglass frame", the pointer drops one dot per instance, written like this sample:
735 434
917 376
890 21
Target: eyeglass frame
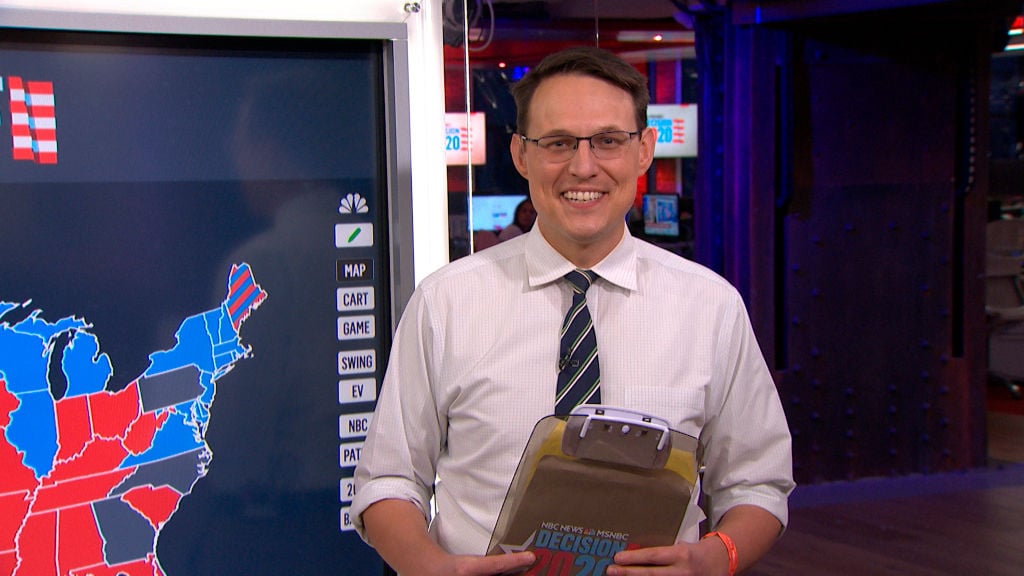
589 139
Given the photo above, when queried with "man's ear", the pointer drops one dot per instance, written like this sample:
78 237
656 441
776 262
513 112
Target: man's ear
517 148
647 139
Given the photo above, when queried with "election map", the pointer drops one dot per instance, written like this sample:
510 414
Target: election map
90 476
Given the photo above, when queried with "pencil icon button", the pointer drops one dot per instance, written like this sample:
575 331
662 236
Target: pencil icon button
353 235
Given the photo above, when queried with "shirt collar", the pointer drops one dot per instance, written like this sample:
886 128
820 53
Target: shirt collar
544 264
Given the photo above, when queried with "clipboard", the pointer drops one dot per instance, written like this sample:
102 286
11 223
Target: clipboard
590 484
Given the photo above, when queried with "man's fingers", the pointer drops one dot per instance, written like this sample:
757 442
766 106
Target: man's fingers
656 556
501 564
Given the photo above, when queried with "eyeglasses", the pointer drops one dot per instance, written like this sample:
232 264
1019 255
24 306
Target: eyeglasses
604 145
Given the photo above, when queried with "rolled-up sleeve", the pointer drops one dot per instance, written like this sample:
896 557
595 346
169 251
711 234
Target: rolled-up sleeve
746 444
398 459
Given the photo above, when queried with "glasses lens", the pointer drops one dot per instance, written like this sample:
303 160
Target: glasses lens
557 147
608 145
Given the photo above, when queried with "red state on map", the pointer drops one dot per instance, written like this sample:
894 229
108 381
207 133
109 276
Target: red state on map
113 413
100 455
80 540
13 508
81 490
37 545
73 426
155 504
141 432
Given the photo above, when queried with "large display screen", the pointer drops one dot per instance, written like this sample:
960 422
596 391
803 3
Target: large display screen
494 212
465 138
194 301
677 129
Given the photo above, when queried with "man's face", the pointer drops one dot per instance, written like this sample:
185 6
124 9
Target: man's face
582 203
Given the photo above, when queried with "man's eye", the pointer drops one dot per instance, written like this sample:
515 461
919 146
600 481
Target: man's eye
612 140
557 143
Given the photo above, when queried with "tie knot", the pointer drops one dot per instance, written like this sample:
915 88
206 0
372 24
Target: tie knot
580 280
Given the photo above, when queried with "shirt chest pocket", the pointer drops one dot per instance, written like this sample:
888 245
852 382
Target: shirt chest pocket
681 406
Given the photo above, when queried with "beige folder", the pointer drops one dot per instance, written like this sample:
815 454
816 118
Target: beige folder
590 484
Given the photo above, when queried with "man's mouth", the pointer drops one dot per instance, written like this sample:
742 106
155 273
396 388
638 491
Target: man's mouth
581 195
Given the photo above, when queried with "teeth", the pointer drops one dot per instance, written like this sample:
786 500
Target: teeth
581 196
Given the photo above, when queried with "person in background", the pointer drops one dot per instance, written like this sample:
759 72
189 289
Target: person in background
522 221
475 359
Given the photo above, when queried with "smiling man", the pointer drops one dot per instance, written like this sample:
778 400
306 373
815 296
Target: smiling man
582 187
479 355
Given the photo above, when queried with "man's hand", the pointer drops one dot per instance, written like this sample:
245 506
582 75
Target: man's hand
491 565
752 529
398 530
706 558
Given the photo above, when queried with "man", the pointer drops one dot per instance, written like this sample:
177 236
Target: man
476 355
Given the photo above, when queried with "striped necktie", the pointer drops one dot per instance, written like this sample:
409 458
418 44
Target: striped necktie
579 375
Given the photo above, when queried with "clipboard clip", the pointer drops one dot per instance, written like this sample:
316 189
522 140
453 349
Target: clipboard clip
618 436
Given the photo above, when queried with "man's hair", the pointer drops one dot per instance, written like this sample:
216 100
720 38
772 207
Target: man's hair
586 61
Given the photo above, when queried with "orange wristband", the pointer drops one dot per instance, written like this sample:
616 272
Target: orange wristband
734 558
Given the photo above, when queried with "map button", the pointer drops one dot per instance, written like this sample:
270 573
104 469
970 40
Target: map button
355 270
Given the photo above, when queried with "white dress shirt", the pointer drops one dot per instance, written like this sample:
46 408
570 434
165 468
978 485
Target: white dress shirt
474 362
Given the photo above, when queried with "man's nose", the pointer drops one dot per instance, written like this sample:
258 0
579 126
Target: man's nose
583 161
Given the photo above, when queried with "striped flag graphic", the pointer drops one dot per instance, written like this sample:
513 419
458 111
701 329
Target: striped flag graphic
33 122
678 131
244 294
